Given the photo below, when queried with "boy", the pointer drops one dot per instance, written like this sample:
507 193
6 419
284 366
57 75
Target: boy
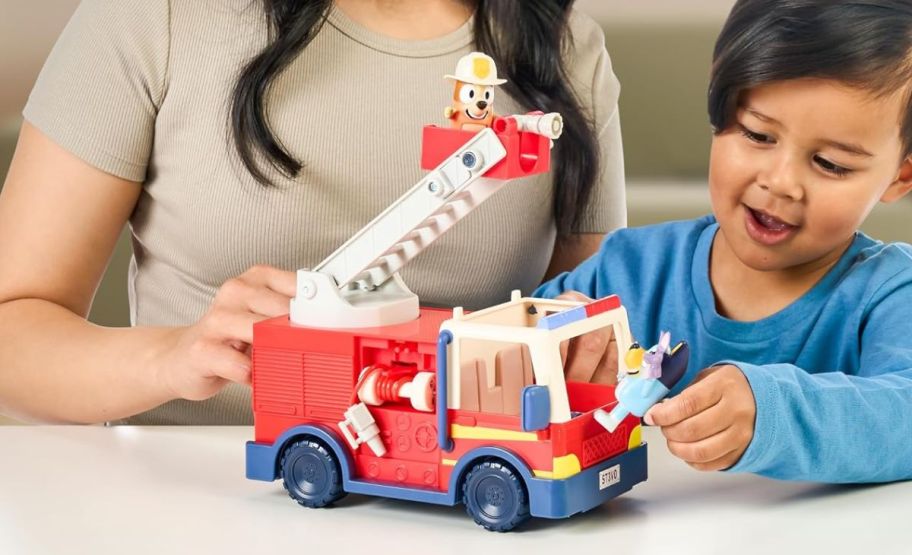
800 324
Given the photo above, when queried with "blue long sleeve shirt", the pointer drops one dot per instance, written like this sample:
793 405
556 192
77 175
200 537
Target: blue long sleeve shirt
831 374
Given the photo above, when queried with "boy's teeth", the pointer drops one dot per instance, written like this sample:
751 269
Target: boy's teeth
770 222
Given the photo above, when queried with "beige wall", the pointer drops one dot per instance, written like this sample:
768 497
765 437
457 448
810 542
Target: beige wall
27 32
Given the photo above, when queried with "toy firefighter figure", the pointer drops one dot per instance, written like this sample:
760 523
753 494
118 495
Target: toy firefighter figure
473 95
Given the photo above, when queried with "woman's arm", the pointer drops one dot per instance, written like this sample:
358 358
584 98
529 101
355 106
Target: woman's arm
571 251
59 221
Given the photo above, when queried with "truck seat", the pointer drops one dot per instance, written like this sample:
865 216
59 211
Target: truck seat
512 372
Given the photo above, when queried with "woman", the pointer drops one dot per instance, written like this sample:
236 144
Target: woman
243 139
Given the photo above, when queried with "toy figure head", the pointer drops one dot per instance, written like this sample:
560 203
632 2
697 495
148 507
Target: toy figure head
647 364
476 102
652 359
634 359
473 94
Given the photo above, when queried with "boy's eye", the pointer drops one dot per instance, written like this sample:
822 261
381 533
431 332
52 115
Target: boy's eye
830 167
755 137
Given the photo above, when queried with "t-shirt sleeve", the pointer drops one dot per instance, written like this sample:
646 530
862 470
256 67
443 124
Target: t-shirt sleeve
837 427
102 85
599 90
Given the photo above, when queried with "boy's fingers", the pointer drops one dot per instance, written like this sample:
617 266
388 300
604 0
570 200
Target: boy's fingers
722 463
700 426
715 448
693 400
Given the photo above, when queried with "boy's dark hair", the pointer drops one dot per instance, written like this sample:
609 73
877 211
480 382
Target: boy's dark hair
864 43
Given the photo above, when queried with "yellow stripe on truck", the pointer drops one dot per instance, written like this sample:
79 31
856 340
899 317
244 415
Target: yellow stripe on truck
563 467
458 431
636 437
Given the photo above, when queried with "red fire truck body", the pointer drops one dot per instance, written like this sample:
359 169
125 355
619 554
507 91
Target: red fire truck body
500 430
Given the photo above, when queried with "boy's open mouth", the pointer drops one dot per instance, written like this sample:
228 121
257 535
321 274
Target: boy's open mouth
766 228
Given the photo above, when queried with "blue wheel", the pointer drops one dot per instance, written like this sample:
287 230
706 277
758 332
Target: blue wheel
495 497
310 473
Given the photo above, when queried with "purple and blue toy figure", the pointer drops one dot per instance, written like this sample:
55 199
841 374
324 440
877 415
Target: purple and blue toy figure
652 375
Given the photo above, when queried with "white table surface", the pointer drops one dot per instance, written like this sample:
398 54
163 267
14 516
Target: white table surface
182 490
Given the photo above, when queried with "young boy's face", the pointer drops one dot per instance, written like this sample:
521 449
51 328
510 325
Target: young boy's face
800 168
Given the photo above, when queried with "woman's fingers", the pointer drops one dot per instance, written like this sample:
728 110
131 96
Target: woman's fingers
266 302
591 357
607 370
586 354
230 364
262 290
573 296
281 281
227 326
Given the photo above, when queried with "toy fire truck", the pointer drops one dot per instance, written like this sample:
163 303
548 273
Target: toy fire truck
360 390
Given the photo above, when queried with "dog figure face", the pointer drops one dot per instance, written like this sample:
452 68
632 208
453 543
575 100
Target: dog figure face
473 106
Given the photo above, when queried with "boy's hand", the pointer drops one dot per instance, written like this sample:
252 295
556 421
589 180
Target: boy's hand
711 423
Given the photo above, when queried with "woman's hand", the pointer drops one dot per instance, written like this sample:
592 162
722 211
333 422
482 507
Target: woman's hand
591 357
711 423
203 358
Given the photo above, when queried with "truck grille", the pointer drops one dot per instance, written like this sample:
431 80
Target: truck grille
277 385
328 381
604 445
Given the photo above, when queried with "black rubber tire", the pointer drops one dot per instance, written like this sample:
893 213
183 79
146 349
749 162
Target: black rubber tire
495 497
310 473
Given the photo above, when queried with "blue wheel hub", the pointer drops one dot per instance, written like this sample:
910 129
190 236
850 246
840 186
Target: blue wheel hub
495 496
310 473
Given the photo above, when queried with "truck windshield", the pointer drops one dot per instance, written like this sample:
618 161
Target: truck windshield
591 357
579 372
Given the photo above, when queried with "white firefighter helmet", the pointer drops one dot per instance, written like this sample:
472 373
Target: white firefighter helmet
476 68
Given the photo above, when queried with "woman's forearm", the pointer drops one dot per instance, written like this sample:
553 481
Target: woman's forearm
57 367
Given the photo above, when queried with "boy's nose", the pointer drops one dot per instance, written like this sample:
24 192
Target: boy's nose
782 178
482 104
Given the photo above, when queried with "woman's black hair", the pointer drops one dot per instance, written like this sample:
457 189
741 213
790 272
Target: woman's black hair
529 40
863 43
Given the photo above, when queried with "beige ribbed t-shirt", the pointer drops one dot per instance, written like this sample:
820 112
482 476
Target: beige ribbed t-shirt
140 89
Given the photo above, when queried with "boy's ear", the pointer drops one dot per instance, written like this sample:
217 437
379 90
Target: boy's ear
902 184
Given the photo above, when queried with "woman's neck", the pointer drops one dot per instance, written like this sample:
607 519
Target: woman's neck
745 294
408 19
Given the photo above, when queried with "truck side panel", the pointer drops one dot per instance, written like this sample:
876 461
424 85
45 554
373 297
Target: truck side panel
413 456
300 375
